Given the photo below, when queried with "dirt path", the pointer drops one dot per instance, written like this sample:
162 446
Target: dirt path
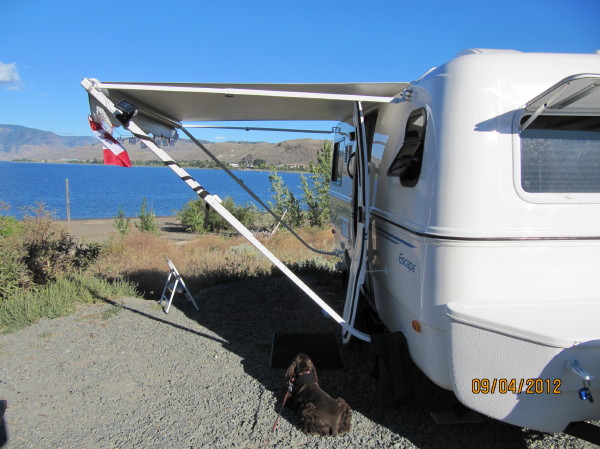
102 229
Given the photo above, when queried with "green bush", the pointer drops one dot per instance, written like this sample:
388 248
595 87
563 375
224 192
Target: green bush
14 275
9 225
146 223
121 223
192 216
215 221
316 264
247 215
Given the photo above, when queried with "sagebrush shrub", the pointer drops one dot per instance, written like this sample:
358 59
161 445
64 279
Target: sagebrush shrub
14 275
56 254
40 252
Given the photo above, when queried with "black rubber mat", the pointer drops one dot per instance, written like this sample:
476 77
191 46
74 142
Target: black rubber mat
323 349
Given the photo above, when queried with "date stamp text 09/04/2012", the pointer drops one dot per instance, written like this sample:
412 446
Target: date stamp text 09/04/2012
516 386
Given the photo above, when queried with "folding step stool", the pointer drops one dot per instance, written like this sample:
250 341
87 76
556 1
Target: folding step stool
172 285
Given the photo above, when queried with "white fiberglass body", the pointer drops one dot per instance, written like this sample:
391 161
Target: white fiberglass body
491 245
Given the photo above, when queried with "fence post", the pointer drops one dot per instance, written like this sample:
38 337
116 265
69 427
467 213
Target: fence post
68 204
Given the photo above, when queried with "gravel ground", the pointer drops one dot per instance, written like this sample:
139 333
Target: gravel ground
130 376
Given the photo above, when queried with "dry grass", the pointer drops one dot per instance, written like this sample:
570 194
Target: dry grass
207 260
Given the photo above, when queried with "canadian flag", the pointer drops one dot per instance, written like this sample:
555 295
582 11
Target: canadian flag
114 152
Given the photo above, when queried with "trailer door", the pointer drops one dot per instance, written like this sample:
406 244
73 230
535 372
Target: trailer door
361 219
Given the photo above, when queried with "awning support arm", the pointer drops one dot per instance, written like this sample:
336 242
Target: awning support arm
221 210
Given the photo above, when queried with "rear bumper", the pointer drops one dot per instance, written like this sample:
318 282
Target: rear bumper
509 360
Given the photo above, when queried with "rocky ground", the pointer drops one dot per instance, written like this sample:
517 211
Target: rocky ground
124 374
127 375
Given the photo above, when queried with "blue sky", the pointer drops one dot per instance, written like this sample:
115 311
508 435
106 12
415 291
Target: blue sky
48 47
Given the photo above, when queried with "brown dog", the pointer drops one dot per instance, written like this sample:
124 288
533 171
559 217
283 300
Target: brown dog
319 413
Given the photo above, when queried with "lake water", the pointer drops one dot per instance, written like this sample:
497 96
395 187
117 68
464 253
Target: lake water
97 191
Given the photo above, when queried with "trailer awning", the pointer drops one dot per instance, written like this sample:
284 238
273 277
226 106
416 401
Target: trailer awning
166 105
179 102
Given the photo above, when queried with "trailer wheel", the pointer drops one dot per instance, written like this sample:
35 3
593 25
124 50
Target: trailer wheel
393 368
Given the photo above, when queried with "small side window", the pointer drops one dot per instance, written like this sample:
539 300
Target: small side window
337 161
407 163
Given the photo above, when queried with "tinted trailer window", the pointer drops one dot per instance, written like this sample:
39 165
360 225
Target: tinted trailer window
561 154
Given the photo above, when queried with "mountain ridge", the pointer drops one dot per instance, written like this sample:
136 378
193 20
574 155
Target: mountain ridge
22 143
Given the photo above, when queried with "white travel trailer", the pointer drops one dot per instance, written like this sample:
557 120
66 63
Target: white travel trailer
466 205
483 196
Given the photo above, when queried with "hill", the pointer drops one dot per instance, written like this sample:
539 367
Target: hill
19 142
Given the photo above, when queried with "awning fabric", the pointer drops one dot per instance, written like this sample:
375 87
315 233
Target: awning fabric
250 102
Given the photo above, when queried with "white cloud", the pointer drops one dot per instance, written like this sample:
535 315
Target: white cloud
219 138
9 75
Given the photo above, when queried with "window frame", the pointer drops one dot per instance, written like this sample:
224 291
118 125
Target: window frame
408 173
337 165
540 197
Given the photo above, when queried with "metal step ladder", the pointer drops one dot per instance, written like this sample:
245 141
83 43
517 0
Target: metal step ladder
173 286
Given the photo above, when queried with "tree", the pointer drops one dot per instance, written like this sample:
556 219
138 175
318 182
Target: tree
285 200
259 163
315 187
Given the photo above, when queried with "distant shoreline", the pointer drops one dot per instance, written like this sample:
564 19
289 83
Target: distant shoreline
64 220
182 164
